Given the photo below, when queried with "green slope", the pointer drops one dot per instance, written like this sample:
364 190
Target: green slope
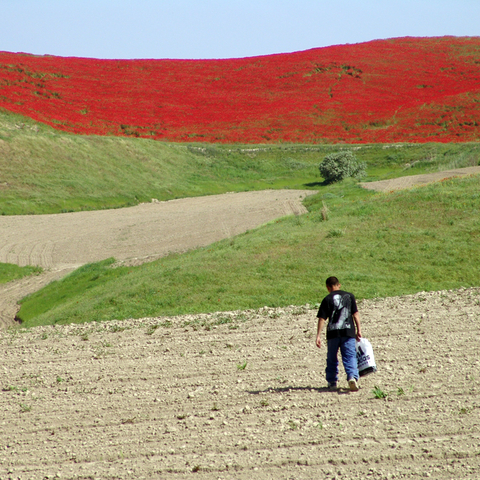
379 245
46 171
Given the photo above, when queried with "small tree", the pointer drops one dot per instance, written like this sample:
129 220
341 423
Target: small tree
337 166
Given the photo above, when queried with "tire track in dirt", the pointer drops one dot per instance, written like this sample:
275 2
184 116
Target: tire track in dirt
63 242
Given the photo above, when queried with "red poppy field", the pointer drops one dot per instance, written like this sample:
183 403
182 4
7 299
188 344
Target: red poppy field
397 90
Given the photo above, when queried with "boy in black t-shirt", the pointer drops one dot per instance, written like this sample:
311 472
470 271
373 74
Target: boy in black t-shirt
340 308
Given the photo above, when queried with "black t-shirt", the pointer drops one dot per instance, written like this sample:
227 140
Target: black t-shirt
338 307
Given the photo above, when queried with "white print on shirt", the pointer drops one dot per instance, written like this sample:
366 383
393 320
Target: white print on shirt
340 314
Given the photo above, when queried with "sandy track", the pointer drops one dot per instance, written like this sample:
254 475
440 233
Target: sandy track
416 180
63 242
135 399
148 230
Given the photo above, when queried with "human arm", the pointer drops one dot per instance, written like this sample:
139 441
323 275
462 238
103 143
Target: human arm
321 324
356 319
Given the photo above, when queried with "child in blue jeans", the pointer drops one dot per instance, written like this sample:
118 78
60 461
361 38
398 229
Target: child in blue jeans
340 308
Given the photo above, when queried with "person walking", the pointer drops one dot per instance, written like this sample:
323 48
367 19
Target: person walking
340 309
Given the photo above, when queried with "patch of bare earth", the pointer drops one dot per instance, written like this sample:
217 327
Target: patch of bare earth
60 243
242 395
417 180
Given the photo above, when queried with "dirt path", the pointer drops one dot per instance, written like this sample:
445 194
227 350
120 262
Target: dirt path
169 398
415 180
61 243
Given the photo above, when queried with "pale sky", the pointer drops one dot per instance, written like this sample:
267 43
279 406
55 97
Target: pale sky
207 29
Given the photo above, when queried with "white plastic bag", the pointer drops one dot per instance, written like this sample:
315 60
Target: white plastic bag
365 359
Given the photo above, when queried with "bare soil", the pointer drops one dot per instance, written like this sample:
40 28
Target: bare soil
241 395
417 180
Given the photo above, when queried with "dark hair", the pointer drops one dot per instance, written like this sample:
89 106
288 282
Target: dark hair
332 281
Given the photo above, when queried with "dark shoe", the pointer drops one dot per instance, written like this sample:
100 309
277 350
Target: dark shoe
332 386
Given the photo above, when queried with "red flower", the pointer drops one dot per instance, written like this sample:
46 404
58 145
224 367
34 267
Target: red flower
401 90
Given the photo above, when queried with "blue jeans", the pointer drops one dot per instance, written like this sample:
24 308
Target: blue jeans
349 358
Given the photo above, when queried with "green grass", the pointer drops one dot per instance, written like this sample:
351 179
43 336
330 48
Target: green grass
426 238
46 171
379 393
9 272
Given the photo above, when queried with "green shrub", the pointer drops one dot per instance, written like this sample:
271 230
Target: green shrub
337 166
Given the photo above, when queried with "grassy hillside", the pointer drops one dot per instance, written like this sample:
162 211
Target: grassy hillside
46 171
394 90
379 245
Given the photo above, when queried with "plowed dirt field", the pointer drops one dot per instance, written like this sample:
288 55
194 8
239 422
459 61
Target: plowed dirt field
60 243
242 396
